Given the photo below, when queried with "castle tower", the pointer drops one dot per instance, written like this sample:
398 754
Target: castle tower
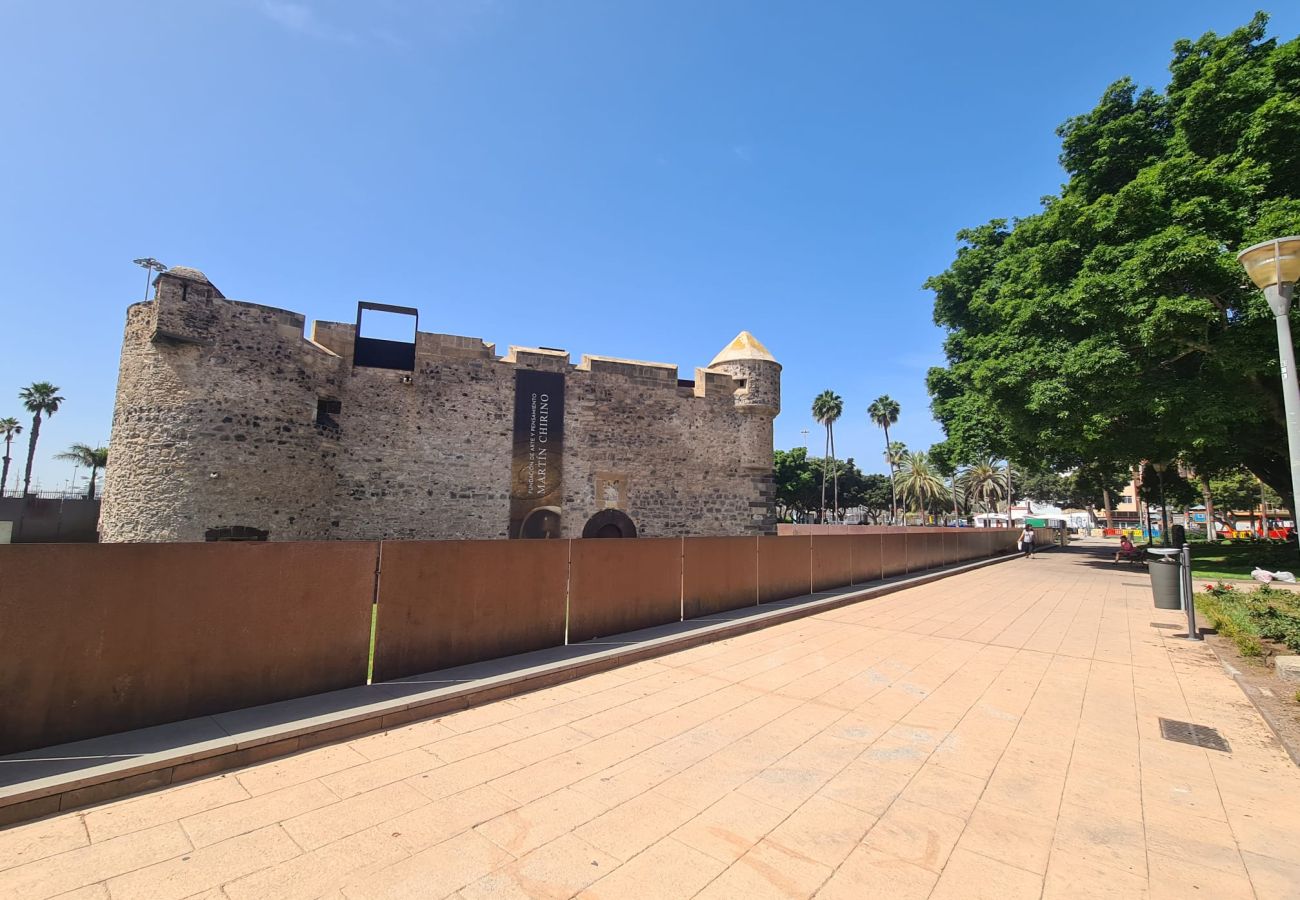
758 397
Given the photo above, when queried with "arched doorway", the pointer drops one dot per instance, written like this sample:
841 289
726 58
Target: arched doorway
236 533
609 523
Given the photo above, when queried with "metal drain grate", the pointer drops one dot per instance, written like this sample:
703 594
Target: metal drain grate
1162 625
1197 735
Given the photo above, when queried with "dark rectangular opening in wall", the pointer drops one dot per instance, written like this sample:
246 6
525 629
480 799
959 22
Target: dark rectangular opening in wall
326 410
386 338
685 383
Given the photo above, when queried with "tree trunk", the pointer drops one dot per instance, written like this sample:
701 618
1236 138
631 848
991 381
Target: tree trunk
1211 528
955 514
31 452
4 479
90 488
835 474
1110 516
893 495
821 517
1010 495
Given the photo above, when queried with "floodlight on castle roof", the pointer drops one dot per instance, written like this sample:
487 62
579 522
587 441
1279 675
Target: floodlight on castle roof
743 347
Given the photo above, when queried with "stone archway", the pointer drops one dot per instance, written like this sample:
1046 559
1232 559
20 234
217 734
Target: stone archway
609 523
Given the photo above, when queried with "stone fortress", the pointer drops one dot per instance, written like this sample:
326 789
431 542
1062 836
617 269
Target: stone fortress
231 425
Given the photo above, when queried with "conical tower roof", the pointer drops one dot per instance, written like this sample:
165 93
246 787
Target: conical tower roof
744 346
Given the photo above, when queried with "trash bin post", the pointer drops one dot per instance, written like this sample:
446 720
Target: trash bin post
1193 633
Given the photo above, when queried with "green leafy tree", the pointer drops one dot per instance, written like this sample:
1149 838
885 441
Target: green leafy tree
40 399
827 407
876 497
1116 323
942 457
883 412
92 458
796 481
9 429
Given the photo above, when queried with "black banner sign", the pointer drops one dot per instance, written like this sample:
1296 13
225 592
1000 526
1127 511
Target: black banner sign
537 457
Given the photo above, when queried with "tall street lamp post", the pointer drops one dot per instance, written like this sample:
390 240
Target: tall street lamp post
1274 266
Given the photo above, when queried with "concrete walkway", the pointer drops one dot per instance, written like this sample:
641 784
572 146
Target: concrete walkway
995 734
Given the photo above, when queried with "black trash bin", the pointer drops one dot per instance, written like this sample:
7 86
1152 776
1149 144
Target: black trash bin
1166 573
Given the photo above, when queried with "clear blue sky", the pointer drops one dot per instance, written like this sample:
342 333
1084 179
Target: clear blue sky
638 179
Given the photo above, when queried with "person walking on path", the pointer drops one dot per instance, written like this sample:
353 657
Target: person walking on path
1026 541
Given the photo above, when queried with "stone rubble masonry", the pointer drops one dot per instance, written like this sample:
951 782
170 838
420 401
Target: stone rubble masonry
215 426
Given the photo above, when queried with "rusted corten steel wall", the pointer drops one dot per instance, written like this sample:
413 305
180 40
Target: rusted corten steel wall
449 603
784 567
718 574
832 563
867 549
617 586
97 639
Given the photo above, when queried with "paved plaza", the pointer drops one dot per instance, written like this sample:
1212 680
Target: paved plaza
994 734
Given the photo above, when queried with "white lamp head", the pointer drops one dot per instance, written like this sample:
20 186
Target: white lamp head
1272 262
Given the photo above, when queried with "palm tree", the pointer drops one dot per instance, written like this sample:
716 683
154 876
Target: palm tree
982 484
827 407
92 458
9 428
40 398
883 411
920 482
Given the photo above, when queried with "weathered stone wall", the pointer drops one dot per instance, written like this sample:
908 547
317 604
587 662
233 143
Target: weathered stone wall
216 426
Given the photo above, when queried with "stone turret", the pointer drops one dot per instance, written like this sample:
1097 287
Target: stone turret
758 375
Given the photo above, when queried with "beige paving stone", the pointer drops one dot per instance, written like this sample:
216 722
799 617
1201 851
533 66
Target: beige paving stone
207 868
338 820
462 744
1069 878
88 865
327 868
435 822
1272 878
554 871
1094 834
436 872
969 876
768 870
1181 878
397 740
98 892
1206 842
36 840
870 873
730 827
630 827
1010 836
462 775
822 830
916 834
522 830
944 789
281 773
216 825
668 870
865 787
380 772
135 813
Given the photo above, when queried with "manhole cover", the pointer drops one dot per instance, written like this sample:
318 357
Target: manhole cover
1197 735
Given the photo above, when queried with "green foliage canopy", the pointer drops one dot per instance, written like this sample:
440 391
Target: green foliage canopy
1116 324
